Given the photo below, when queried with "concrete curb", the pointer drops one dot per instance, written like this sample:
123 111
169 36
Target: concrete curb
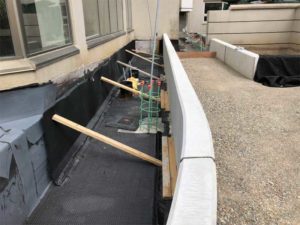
238 58
195 198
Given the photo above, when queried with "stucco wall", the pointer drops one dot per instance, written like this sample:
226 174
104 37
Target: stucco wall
265 25
168 18
195 18
295 37
67 68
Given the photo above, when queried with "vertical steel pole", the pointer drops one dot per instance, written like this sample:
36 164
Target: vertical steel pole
153 58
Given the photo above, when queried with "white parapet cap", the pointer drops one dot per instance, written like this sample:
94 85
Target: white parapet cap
265 6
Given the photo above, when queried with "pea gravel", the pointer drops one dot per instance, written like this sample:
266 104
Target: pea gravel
256 133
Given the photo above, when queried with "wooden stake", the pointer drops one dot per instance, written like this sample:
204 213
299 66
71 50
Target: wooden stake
128 88
107 140
167 102
135 68
173 165
166 178
162 99
141 57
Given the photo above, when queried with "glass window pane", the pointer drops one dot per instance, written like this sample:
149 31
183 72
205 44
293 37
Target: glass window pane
91 18
113 16
120 15
104 17
46 24
6 44
129 15
212 6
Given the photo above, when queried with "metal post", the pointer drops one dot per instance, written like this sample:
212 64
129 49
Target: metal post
153 58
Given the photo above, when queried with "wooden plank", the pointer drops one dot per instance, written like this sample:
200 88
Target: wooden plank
185 55
107 140
141 57
173 164
135 68
166 178
127 88
167 102
162 99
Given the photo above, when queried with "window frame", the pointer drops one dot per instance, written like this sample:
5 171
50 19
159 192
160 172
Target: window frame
116 10
206 14
129 6
98 39
94 35
121 17
21 22
16 33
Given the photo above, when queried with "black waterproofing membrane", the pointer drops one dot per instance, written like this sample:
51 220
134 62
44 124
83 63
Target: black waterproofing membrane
106 186
96 183
278 71
79 104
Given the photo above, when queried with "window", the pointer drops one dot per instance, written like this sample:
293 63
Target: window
129 14
92 27
46 25
6 43
102 17
113 16
120 14
213 6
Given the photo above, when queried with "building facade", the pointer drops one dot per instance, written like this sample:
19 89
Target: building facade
53 40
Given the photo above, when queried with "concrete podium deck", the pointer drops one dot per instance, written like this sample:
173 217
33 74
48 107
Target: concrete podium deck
256 133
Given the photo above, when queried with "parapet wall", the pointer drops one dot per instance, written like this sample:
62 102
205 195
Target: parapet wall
241 60
195 198
264 25
295 38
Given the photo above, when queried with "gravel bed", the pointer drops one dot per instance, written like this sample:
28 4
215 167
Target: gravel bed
256 133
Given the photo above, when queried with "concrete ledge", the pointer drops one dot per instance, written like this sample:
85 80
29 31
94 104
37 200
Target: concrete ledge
219 47
265 6
189 124
16 66
195 200
103 39
239 59
54 56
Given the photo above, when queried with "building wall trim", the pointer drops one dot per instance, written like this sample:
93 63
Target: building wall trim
48 58
101 40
